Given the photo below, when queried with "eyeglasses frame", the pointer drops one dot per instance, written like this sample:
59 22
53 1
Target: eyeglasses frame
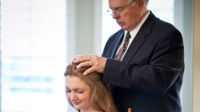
118 10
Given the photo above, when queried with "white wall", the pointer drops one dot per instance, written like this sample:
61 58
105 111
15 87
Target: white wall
183 21
84 27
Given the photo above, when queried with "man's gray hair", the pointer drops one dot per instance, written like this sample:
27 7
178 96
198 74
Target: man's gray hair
146 1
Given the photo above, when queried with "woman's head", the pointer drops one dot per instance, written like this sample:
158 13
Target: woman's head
86 91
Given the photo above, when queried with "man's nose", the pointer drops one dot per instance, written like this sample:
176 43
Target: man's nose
115 15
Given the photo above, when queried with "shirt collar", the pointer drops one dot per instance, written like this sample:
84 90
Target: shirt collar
137 28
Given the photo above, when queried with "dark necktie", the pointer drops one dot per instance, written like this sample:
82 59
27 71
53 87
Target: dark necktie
123 48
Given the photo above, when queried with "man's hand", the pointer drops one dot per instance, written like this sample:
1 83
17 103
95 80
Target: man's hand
96 63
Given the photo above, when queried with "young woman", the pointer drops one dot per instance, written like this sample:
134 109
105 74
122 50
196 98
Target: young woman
87 93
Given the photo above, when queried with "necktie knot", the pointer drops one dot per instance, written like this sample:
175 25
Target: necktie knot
128 36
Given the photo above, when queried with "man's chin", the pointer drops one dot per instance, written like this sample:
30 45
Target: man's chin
123 27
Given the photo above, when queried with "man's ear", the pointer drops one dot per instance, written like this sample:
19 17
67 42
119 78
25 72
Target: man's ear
140 3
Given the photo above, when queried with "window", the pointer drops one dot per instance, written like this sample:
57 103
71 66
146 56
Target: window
33 55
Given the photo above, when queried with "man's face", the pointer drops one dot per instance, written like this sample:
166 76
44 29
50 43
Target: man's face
127 13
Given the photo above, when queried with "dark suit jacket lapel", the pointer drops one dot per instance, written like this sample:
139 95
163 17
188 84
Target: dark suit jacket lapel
139 38
118 42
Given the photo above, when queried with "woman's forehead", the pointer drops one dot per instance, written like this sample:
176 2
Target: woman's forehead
75 82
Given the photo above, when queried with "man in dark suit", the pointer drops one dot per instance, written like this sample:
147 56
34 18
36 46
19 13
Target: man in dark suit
148 75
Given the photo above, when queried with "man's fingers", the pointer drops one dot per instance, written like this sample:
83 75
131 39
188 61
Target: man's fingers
89 70
80 59
84 64
94 62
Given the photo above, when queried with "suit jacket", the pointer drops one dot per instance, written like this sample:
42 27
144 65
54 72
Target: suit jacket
149 77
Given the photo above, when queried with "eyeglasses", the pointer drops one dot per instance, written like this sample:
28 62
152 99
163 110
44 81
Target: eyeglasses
118 10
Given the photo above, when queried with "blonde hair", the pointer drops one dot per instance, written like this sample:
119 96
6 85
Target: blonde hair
101 96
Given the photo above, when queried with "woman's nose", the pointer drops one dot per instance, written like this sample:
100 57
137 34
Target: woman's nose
73 96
